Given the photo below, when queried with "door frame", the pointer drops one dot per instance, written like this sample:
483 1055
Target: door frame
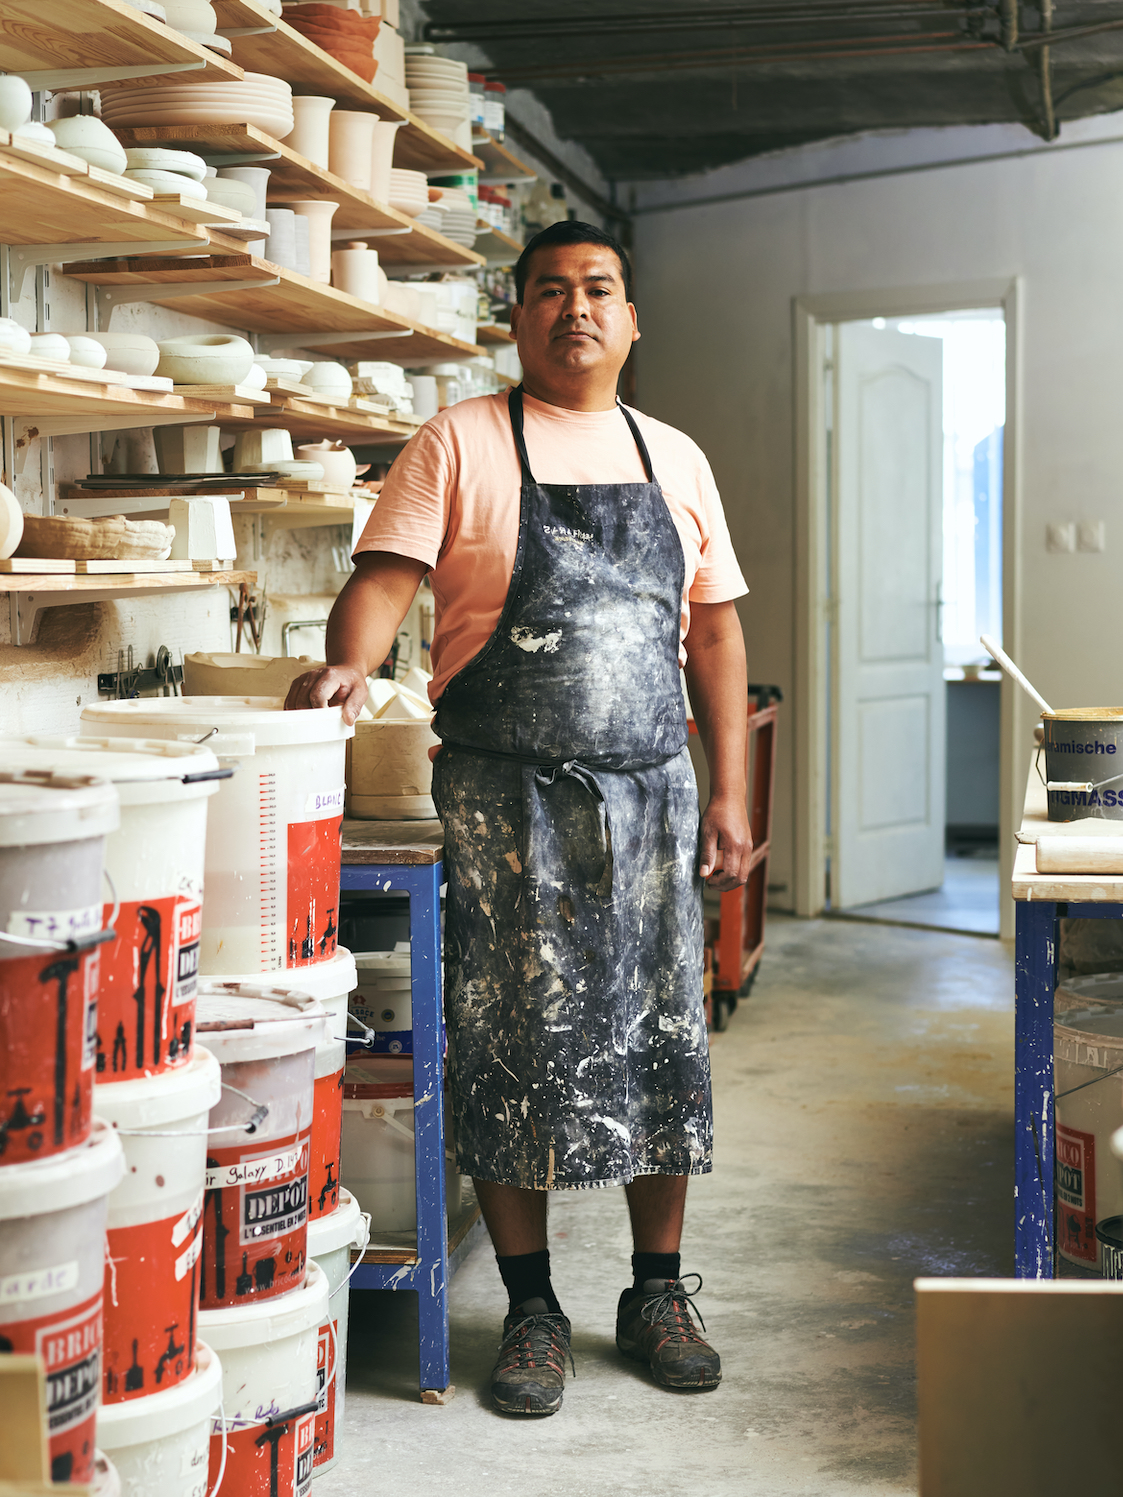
810 315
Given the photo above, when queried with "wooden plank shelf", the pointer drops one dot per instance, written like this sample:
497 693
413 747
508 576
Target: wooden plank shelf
293 506
30 595
494 332
285 53
309 310
398 239
496 247
54 405
499 165
311 421
95 38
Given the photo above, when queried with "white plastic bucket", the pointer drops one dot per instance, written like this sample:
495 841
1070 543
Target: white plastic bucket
379 1167
273 838
383 1001
389 773
330 984
106 1483
146 1001
52 1262
330 1241
1087 1047
52 848
269 1367
255 1213
160 1443
155 1227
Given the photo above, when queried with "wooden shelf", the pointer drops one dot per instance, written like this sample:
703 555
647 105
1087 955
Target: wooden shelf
29 596
311 421
285 53
83 43
292 508
58 406
398 239
309 310
496 247
493 333
499 164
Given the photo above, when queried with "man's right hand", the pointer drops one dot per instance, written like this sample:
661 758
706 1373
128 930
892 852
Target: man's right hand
330 686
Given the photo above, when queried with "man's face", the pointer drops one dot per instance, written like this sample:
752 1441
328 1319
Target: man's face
574 318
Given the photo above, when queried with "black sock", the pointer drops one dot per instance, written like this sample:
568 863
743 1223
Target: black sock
654 1266
527 1276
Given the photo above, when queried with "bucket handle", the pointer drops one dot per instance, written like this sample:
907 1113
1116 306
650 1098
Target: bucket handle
361 1244
379 1110
258 1116
81 943
1115 1070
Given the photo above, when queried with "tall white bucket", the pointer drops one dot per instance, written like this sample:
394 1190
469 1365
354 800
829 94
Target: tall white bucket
330 1241
160 1443
146 1001
383 1001
273 840
1087 1049
52 1262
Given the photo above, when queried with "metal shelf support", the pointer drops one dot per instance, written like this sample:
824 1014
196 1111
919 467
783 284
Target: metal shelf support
23 258
27 607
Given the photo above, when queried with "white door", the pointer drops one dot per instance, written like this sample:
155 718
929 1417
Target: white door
888 743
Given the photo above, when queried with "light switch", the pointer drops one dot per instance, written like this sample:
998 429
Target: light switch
1090 536
1060 537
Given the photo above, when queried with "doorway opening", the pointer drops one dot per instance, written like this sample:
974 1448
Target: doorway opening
914 416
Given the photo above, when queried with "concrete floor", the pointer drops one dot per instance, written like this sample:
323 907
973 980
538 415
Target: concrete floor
863 1100
967 900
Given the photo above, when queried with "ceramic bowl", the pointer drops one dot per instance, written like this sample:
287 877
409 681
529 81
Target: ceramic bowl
15 102
281 368
336 460
128 353
34 131
256 379
90 140
191 15
152 158
205 359
237 195
14 338
50 346
86 352
11 522
261 447
329 379
161 182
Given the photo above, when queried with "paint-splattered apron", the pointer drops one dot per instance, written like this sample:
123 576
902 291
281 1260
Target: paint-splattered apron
573 938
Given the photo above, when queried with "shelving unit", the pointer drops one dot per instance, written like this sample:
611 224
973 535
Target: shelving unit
59 406
28 595
275 304
285 53
88 43
291 508
494 246
499 165
309 421
494 332
400 241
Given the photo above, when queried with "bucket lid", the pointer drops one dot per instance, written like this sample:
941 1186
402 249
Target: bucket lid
239 1021
263 717
322 980
38 806
1085 714
1102 1026
376 964
121 760
157 1416
387 1076
1097 987
267 1320
343 1228
63 1180
1110 1231
157 1101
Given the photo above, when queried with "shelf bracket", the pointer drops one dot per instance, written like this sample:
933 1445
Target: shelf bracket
235 158
27 607
119 296
367 233
85 78
301 338
23 258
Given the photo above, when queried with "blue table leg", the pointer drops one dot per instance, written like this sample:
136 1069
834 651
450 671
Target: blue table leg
1035 980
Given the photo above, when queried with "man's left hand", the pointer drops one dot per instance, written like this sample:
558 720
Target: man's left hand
725 845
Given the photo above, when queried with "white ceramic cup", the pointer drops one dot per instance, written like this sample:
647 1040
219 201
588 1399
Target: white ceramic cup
354 269
282 237
303 244
318 212
350 145
310 134
382 158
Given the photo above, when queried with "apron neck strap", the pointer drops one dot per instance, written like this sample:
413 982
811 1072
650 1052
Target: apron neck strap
515 408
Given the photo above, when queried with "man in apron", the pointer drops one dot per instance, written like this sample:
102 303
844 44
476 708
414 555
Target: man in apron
577 553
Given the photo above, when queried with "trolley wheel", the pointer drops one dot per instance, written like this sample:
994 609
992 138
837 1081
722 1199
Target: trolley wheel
722 1010
747 986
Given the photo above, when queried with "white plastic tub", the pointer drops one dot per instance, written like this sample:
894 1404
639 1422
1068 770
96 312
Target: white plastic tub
52 1263
146 1002
52 847
378 1143
1087 1046
160 1443
255 1215
269 1367
384 999
155 1226
272 863
330 1241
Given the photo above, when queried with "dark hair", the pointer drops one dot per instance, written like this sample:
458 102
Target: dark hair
572 231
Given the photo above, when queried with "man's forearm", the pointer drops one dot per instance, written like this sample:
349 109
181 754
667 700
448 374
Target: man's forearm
717 678
367 614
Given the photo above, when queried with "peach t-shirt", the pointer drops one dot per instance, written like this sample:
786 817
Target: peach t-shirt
451 500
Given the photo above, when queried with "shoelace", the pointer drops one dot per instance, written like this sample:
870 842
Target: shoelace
518 1341
671 1306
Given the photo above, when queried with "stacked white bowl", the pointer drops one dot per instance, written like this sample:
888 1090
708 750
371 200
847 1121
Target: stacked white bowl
181 172
409 191
438 92
258 100
458 221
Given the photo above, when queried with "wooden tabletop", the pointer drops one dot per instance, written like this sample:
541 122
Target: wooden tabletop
419 842
1028 884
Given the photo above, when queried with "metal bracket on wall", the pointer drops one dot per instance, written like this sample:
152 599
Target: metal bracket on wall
267 343
27 607
24 258
370 234
119 296
87 78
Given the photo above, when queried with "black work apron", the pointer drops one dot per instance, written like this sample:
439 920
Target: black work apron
573 938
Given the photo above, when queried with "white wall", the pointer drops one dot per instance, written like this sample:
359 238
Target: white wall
716 282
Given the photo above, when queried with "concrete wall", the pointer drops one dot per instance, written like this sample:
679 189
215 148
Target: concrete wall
716 282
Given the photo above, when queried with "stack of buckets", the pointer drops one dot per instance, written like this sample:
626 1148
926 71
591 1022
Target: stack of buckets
275 1229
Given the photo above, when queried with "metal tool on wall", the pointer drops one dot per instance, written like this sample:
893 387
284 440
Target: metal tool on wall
129 680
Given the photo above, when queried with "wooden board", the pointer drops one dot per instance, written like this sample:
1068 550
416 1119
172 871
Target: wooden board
23 1422
196 210
228 394
27 393
494 246
297 305
285 53
400 1248
1092 888
295 177
496 332
310 422
46 34
499 163
39 153
38 566
40 206
417 842
124 582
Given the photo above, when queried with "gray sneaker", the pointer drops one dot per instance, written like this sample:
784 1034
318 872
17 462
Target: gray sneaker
529 1377
655 1327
